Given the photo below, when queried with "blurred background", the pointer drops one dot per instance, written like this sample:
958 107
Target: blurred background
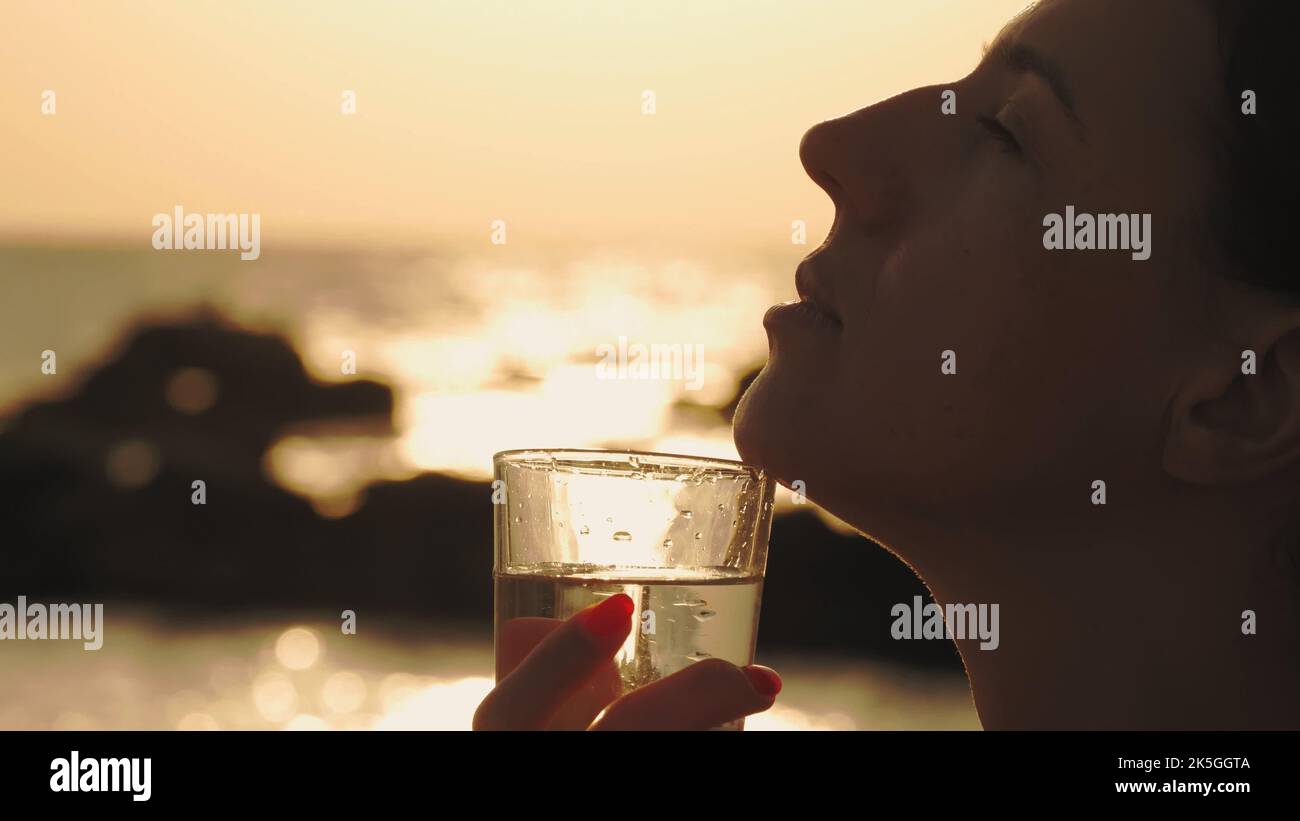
518 184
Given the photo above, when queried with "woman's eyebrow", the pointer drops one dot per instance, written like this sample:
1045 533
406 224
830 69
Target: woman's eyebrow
1020 58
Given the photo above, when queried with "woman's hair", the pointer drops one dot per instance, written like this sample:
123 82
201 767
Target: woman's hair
1258 200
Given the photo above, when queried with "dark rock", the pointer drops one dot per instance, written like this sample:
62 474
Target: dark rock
832 592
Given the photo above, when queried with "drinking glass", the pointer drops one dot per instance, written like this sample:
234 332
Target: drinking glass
684 537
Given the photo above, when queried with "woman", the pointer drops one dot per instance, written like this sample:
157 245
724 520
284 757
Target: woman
1092 422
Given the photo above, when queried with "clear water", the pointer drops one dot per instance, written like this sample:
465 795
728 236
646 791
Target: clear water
681 616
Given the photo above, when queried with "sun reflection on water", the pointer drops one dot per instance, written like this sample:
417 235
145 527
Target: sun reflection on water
305 677
506 357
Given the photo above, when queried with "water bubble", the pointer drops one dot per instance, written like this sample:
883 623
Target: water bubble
705 615
686 514
721 506
609 520
690 603
518 519
699 655
698 535
585 530
622 536
668 542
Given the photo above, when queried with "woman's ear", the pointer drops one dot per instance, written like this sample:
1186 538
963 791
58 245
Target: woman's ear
1238 419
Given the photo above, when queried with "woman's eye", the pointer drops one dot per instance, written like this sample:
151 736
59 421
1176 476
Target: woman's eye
1000 133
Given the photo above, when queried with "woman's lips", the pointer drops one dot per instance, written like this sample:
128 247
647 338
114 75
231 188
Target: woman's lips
810 290
803 312
810 311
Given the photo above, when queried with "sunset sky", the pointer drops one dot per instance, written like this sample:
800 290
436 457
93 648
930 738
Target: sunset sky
669 230
466 112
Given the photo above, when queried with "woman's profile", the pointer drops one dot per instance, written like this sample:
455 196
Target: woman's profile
1049 355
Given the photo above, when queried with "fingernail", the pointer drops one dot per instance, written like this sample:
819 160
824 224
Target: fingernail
764 679
609 619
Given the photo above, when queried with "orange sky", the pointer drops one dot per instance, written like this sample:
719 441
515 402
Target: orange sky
466 112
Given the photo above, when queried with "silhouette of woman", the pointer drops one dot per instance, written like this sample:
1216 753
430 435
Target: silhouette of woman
1101 436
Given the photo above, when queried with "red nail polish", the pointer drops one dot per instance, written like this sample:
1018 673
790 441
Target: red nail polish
609 619
764 679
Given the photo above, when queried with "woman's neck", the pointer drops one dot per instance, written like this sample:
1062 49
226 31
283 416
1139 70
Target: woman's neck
1147 630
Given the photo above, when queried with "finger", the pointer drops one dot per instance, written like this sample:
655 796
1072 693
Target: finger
517 638
557 668
595 695
705 695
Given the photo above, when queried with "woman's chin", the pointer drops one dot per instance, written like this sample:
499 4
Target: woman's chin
764 428
747 425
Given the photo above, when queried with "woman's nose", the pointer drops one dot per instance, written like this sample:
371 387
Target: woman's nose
869 161
817 152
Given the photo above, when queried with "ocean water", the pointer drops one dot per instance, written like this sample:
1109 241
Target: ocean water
486 349
153 673
485 352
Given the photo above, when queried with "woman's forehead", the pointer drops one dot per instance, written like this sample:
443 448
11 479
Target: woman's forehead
1152 64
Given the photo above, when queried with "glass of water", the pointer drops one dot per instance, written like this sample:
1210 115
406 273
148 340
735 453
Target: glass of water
684 537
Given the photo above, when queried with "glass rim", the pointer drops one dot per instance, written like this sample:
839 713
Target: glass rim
732 466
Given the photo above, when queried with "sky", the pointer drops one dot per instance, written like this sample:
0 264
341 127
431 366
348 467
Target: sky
466 112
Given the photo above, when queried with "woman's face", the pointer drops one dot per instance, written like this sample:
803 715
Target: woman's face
1065 360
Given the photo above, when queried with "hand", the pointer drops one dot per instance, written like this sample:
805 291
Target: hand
554 674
